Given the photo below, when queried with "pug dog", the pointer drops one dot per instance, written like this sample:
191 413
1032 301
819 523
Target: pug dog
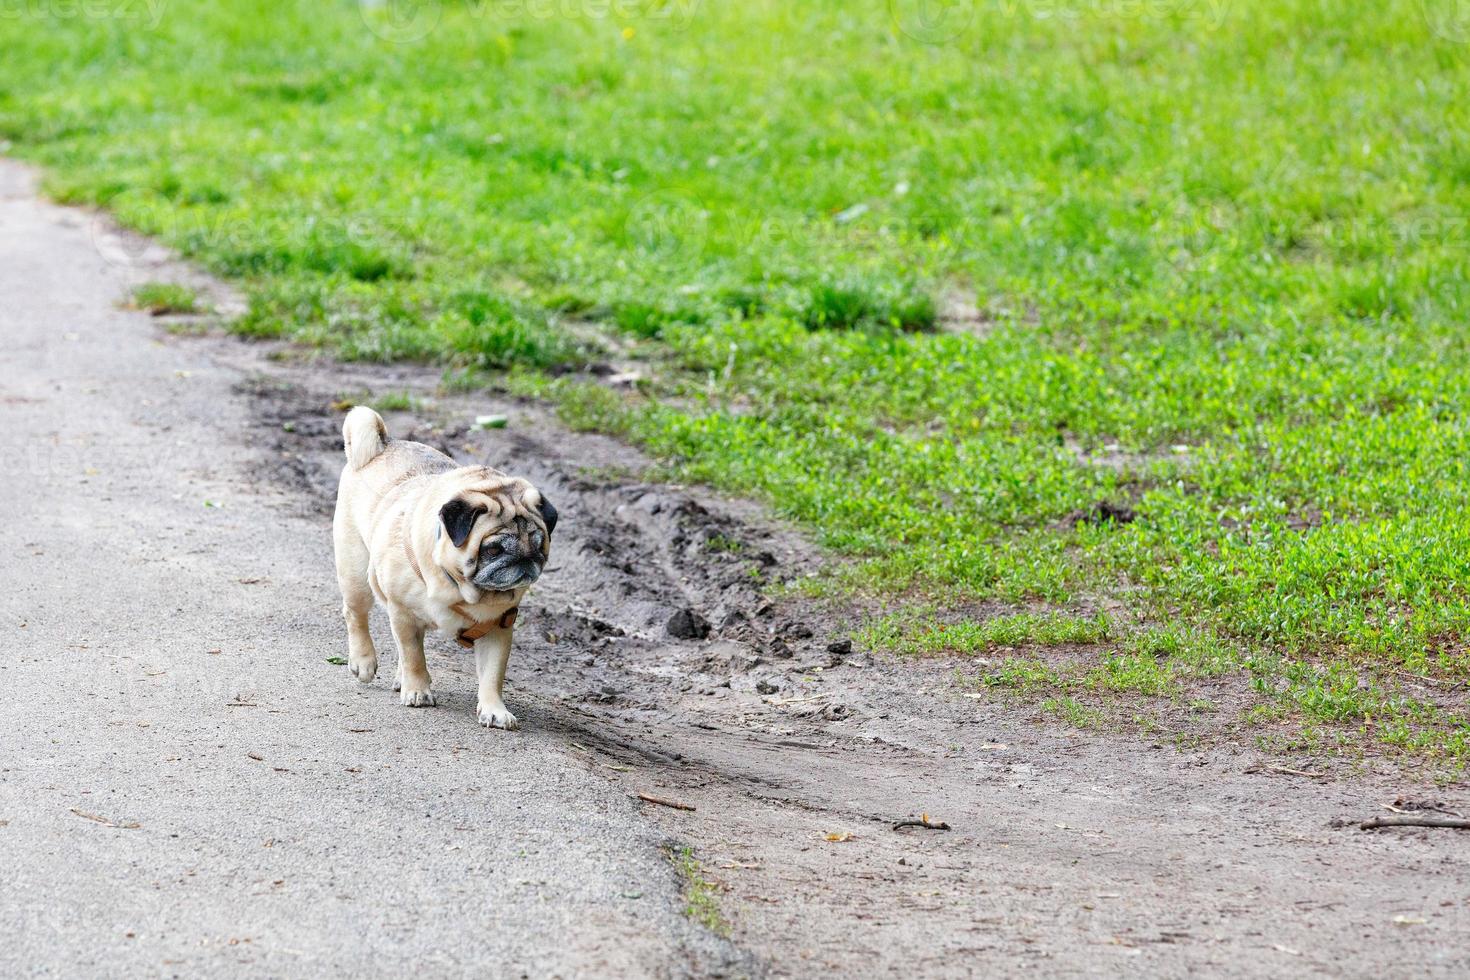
442 546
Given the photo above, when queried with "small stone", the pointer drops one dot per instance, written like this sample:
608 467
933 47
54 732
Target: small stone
764 686
686 624
779 649
840 647
797 631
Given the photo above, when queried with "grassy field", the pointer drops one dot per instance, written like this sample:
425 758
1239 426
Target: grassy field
937 281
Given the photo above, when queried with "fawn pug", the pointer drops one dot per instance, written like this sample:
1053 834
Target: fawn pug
442 546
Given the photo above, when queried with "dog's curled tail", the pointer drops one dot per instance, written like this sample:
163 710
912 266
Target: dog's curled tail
363 436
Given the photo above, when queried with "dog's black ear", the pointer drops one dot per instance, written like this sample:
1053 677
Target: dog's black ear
548 514
459 516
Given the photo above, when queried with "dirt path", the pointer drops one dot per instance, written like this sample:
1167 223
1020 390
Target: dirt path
429 839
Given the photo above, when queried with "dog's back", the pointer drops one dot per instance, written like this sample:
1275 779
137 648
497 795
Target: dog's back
376 466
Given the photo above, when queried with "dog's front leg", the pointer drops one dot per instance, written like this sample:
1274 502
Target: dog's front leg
492 653
413 671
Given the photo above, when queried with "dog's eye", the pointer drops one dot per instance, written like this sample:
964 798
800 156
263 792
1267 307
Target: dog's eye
492 549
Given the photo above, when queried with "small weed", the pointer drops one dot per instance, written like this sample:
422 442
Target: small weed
1074 713
388 401
396 401
700 904
723 543
1023 675
162 298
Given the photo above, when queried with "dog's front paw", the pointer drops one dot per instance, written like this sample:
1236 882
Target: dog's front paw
363 668
417 697
498 716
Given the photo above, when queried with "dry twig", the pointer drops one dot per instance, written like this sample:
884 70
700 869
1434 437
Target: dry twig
1287 771
660 801
104 821
1416 820
925 822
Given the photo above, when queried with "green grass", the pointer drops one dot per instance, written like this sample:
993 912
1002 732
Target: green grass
159 298
915 631
931 286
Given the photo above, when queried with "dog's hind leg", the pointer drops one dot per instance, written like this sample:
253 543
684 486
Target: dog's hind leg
357 602
415 688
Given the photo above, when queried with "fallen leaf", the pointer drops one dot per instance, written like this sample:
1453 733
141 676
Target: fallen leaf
255 755
1406 920
339 661
838 837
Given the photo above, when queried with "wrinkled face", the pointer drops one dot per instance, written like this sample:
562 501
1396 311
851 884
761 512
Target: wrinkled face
498 537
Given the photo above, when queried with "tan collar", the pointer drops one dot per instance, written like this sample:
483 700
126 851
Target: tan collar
467 636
